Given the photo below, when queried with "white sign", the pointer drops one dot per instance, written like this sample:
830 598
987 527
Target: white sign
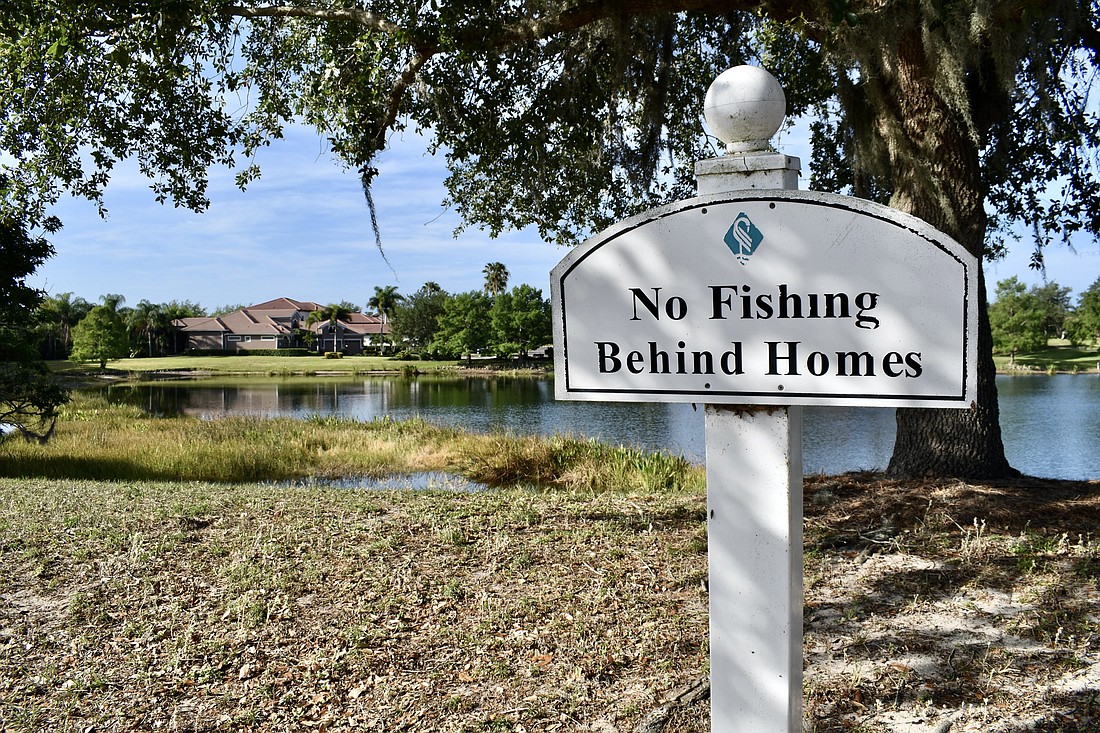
768 297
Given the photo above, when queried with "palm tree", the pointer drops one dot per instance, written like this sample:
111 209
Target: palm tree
112 301
173 310
148 320
62 312
333 313
385 301
496 278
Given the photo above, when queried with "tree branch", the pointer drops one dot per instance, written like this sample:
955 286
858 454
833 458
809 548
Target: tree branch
511 33
397 92
365 18
518 31
579 16
656 719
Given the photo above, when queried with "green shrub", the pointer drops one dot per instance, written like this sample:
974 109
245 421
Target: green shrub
297 351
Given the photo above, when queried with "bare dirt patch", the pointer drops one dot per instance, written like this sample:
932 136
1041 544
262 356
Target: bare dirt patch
930 607
947 606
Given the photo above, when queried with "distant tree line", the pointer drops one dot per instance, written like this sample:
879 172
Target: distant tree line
1024 319
431 322
69 327
436 324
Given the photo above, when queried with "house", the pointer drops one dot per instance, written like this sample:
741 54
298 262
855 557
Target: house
277 324
350 336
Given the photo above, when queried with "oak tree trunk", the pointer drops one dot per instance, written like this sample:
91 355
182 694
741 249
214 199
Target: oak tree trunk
937 177
960 443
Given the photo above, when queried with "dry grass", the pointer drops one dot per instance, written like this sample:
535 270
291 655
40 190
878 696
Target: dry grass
937 606
198 607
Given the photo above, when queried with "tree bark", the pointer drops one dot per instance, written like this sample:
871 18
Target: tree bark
960 443
936 170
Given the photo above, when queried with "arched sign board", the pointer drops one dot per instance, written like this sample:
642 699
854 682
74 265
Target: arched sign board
768 298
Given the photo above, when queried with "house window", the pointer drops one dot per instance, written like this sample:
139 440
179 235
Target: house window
268 338
234 338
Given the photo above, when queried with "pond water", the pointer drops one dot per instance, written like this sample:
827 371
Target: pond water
1051 424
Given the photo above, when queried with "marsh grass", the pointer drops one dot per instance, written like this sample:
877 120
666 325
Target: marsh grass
99 441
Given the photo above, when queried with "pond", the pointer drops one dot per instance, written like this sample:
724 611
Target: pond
1051 424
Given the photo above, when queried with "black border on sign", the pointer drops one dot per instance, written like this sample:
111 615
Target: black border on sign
781 398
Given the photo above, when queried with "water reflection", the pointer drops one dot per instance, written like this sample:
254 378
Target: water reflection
1049 423
424 481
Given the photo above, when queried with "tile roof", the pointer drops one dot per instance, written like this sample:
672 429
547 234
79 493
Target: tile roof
276 317
244 321
286 304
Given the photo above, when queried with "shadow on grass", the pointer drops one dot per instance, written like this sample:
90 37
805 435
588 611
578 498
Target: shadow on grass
69 467
945 594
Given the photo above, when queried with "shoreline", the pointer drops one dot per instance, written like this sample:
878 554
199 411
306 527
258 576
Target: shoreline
94 376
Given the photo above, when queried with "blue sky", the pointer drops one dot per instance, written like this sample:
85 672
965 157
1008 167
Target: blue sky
303 231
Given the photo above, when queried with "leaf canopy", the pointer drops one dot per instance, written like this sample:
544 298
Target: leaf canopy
29 395
559 115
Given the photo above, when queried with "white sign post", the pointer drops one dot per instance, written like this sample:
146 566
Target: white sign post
755 299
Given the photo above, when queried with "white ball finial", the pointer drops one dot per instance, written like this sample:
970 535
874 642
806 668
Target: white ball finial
744 108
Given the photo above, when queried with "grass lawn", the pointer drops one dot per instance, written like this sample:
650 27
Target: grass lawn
1054 358
187 606
148 582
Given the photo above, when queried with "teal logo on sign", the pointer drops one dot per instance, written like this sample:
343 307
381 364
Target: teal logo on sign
743 238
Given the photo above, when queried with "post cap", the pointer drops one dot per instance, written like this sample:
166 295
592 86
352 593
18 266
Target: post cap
744 108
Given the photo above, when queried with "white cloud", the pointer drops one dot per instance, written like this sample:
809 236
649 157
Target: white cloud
302 230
